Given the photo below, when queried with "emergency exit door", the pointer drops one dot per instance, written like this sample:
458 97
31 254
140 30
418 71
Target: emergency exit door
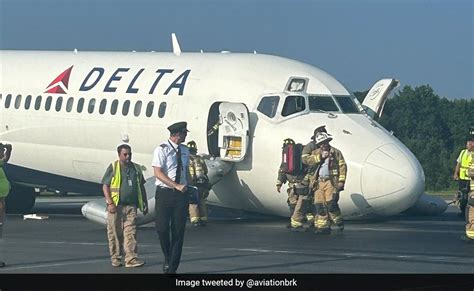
231 129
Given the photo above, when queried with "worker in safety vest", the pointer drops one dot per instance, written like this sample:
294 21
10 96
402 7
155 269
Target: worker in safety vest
5 153
198 171
461 174
124 192
469 236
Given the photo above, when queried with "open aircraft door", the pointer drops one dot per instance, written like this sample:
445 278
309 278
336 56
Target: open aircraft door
233 131
377 96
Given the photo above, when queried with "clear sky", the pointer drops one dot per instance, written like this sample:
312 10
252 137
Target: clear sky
358 42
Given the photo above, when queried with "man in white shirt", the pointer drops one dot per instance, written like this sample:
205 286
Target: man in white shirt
171 168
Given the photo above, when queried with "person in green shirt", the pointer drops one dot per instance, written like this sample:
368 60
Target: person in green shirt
124 193
5 153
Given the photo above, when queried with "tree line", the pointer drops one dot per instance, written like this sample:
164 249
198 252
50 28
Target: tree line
435 129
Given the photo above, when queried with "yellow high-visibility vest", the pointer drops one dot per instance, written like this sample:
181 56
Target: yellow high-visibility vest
466 161
4 184
117 179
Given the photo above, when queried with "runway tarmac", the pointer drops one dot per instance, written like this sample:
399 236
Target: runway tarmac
68 243
236 243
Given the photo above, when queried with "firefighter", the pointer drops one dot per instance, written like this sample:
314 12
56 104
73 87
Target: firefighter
198 171
327 176
308 206
461 174
297 192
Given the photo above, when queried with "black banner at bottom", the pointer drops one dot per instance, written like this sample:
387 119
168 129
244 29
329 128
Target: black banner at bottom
191 282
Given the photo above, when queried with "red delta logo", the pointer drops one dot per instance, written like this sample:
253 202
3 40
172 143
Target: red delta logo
60 84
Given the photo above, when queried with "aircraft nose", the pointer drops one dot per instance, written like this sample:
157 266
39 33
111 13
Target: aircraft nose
392 179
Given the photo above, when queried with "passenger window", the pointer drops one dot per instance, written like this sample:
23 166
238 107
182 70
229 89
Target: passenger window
126 107
103 104
27 102
38 102
91 106
48 102
113 107
80 105
324 103
69 104
138 108
8 100
149 108
268 105
17 101
59 103
293 104
162 110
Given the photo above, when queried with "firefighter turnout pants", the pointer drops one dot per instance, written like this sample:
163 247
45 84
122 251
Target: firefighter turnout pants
198 212
470 216
326 206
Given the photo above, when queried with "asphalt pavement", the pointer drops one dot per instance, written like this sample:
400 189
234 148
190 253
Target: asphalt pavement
240 243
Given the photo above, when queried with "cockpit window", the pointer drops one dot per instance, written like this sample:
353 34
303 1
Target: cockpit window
324 103
268 105
293 104
347 104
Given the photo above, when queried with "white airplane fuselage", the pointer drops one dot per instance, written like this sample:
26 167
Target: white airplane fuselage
384 177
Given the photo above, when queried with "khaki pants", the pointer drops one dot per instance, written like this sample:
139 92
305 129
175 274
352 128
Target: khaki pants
198 212
121 233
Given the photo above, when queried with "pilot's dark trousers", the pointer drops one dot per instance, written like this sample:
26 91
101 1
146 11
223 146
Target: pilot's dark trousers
171 208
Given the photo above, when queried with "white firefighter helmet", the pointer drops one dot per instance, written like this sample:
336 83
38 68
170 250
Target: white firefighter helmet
322 137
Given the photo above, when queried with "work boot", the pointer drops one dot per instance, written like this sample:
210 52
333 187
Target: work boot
166 268
196 224
116 263
299 229
134 263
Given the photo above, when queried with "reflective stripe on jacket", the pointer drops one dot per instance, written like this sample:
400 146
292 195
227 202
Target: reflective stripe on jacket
197 168
337 165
